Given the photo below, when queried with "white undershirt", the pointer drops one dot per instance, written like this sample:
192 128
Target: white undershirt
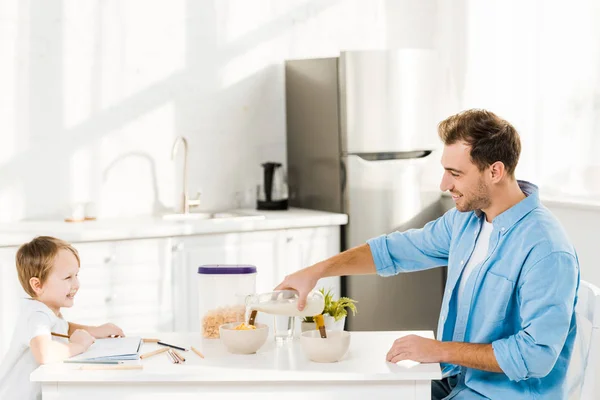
479 254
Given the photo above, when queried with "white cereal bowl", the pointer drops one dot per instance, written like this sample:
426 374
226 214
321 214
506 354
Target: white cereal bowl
331 349
243 341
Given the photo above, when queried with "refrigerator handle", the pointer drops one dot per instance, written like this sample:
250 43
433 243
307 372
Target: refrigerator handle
343 175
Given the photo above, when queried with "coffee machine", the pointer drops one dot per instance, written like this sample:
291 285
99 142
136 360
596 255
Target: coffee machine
272 194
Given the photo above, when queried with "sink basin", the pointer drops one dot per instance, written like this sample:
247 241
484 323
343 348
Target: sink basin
224 215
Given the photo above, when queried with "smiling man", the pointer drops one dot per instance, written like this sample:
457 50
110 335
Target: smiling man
507 322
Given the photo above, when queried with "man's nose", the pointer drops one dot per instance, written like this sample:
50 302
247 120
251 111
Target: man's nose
446 183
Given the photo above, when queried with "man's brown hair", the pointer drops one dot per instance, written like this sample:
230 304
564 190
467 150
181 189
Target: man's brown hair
490 137
35 259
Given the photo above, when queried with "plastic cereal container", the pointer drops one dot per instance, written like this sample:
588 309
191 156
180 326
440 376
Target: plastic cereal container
222 290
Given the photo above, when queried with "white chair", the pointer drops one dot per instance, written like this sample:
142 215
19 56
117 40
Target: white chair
583 370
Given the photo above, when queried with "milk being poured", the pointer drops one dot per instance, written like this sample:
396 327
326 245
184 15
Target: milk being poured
276 303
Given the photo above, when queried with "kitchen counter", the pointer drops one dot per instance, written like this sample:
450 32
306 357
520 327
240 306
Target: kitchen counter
271 373
155 227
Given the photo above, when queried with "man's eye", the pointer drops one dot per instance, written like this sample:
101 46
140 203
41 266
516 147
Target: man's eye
454 175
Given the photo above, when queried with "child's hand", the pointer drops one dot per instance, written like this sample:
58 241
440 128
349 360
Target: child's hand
82 338
106 330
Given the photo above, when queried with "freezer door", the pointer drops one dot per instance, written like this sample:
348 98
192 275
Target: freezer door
381 197
387 195
389 100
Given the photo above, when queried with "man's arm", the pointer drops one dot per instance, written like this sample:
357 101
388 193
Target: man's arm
470 355
415 249
355 261
547 291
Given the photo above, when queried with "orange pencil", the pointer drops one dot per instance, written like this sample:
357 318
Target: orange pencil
195 350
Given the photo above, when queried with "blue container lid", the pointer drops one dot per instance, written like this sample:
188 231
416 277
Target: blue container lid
226 269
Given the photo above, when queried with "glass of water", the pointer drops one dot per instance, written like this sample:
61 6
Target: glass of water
283 328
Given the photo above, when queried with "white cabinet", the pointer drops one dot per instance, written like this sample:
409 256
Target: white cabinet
301 248
127 282
275 254
10 292
254 248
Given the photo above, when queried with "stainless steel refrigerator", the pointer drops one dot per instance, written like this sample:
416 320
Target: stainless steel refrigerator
362 140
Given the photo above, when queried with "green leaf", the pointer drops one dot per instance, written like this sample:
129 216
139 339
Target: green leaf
337 308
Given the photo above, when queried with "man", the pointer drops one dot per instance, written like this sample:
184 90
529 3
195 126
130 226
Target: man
507 322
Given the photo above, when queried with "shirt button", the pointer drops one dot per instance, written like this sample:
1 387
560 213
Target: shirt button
462 262
502 229
443 318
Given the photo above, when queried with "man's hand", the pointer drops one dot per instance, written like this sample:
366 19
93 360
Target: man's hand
82 338
415 348
105 331
303 281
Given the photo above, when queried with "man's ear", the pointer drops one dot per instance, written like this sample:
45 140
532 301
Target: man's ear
498 171
36 285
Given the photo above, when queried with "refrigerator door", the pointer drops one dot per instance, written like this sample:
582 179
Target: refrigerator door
382 196
388 100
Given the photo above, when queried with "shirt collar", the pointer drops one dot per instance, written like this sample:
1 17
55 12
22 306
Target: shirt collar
508 218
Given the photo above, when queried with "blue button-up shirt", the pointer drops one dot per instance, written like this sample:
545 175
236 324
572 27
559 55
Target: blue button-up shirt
521 298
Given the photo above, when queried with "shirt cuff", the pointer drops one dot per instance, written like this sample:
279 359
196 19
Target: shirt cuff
381 255
510 360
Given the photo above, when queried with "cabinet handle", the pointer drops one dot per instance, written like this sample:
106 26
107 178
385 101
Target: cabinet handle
289 239
177 247
108 299
109 259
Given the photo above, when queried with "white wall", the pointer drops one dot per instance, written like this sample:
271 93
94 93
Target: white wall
94 92
582 226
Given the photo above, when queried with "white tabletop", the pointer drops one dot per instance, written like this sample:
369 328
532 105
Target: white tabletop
365 361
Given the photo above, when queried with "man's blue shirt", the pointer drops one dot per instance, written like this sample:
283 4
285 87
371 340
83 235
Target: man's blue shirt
521 298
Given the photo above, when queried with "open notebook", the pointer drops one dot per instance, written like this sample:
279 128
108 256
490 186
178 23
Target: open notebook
127 348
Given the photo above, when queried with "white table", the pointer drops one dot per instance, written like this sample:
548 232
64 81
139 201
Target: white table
274 372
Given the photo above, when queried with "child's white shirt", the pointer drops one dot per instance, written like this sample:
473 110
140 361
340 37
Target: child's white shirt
35 319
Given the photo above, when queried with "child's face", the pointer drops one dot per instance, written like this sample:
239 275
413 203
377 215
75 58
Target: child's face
62 282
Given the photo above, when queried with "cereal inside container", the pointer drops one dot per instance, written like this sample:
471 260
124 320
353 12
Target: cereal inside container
222 290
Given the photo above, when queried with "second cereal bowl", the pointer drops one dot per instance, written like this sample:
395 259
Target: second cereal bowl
331 349
243 341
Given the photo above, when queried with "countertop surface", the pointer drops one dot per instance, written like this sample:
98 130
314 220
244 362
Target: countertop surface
15 234
364 361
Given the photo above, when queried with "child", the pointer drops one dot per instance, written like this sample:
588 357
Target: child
47 269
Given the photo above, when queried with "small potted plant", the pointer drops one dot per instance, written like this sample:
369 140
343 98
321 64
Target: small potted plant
334 312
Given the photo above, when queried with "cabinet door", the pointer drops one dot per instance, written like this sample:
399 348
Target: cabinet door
91 304
304 247
255 248
141 298
10 294
262 250
188 254
128 283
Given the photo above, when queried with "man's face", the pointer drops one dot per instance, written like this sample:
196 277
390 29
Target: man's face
469 187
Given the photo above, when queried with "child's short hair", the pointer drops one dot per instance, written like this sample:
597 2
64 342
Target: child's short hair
35 259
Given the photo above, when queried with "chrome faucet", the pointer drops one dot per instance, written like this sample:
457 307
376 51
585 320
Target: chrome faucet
186 202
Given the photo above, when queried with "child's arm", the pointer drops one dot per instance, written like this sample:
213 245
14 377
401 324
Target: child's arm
45 350
101 331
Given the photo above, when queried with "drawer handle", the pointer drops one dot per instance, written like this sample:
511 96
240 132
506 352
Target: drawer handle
177 247
109 259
